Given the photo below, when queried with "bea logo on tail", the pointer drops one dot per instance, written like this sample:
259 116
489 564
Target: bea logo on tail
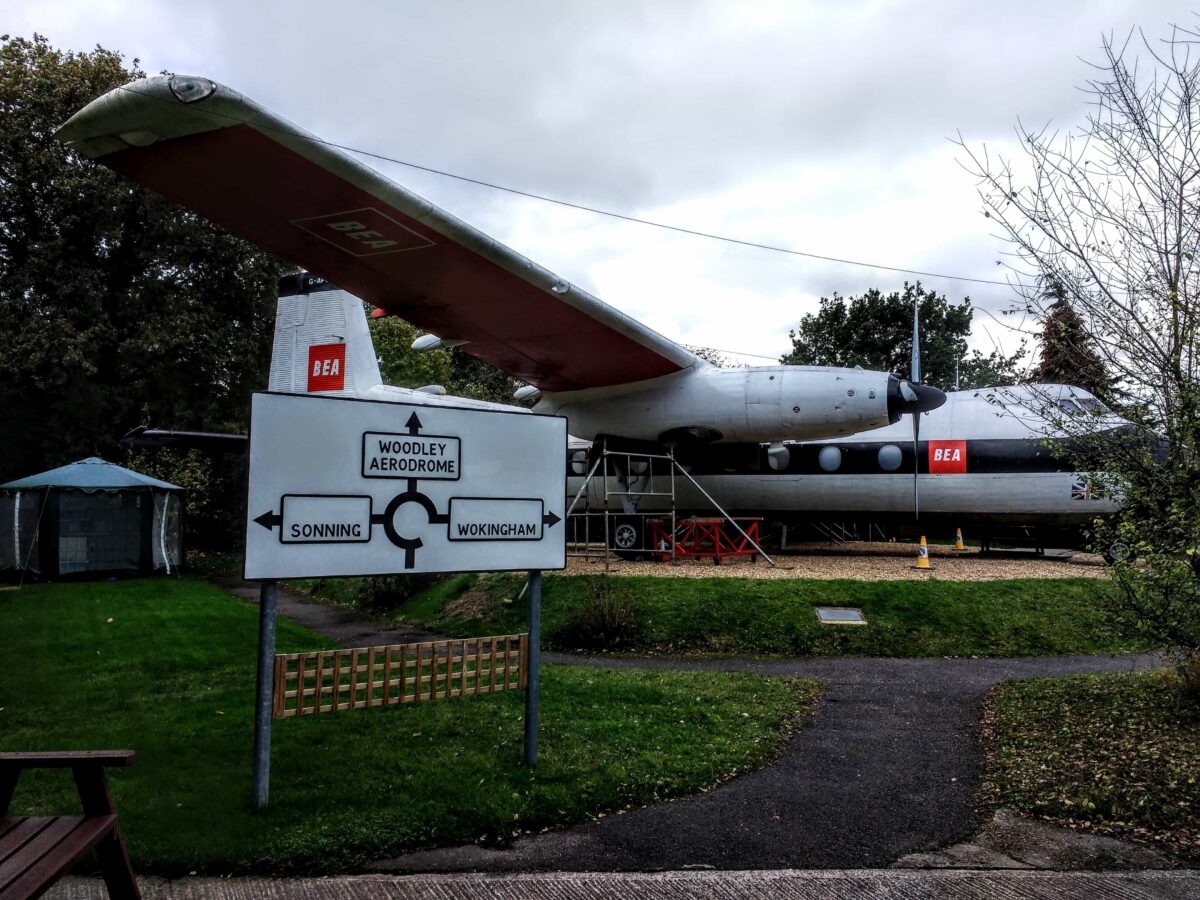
326 367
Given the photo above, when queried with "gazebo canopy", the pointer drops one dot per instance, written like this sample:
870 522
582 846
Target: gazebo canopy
91 474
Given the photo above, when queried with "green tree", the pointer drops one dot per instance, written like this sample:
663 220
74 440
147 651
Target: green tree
1109 214
1067 355
474 378
116 308
874 331
399 364
459 373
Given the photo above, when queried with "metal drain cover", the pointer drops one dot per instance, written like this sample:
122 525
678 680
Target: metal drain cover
840 615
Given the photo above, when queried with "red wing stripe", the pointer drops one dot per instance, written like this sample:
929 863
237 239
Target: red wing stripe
307 213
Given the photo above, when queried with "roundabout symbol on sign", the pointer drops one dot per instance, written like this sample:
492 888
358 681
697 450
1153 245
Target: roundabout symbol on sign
388 520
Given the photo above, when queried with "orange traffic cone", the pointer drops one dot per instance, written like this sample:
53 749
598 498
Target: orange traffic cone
958 541
922 555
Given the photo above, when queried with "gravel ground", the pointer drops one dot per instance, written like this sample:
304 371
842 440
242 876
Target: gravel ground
864 562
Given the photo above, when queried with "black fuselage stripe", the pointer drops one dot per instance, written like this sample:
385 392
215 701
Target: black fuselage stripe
1011 456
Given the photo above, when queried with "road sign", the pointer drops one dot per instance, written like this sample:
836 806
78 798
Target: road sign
360 487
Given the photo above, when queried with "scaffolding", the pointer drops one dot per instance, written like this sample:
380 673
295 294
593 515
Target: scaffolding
600 532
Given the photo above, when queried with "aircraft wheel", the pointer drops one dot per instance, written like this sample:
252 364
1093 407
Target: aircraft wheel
626 537
1118 552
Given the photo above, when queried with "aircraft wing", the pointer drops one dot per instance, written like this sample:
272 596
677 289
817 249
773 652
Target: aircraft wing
159 438
219 154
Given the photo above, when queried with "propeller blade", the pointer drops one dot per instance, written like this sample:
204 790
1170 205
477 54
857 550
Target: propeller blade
916 417
916 350
916 414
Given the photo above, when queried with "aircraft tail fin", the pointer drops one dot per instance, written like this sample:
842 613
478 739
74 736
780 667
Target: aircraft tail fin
322 343
323 346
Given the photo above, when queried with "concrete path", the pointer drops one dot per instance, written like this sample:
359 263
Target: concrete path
348 627
776 885
887 767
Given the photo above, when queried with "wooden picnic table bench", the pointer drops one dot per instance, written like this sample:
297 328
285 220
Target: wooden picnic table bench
36 850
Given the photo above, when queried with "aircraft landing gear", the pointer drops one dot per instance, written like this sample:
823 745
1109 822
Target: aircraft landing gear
627 537
1117 552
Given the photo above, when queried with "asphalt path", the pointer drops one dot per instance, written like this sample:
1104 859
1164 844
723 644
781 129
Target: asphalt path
887 766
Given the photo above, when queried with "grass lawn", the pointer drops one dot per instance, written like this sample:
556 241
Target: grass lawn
1031 617
1117 754
166 667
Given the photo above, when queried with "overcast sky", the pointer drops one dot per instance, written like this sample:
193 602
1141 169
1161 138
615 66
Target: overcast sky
821 127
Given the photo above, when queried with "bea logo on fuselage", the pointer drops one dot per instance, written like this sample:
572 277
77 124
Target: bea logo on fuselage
326 367
947 457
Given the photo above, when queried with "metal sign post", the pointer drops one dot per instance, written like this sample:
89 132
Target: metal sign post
532 691
267 597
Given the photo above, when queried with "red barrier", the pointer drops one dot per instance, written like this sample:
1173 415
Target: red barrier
699 538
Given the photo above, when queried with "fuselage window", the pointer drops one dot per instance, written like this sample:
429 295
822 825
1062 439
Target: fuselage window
890 457
578 460
778 457
830 458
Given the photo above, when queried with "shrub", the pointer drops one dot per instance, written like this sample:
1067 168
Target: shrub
607 616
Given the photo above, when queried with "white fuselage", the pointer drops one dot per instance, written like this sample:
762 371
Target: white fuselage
997 468
764 403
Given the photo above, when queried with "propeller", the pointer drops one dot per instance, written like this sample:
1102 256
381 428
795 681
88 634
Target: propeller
916 380
913 398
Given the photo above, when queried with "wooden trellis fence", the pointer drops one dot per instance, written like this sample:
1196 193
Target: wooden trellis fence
357 678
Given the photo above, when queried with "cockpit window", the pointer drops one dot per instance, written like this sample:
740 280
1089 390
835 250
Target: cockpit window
1082 406
1092 405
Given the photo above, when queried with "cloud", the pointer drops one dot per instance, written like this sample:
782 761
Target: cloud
815 126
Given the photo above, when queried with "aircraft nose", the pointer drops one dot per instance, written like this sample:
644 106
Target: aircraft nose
907 397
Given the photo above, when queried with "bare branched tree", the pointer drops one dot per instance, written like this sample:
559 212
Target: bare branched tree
1106 219
710 354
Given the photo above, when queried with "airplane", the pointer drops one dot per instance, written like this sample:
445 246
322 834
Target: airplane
219 154
986 464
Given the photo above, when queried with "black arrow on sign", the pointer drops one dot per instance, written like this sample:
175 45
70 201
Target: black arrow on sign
269 520
413 424
550 520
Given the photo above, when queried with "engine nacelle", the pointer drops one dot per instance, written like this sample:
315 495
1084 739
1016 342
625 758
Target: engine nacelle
755 404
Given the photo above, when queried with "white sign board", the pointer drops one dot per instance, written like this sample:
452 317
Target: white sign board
360 487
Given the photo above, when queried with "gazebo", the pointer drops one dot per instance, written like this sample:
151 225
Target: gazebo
90 519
